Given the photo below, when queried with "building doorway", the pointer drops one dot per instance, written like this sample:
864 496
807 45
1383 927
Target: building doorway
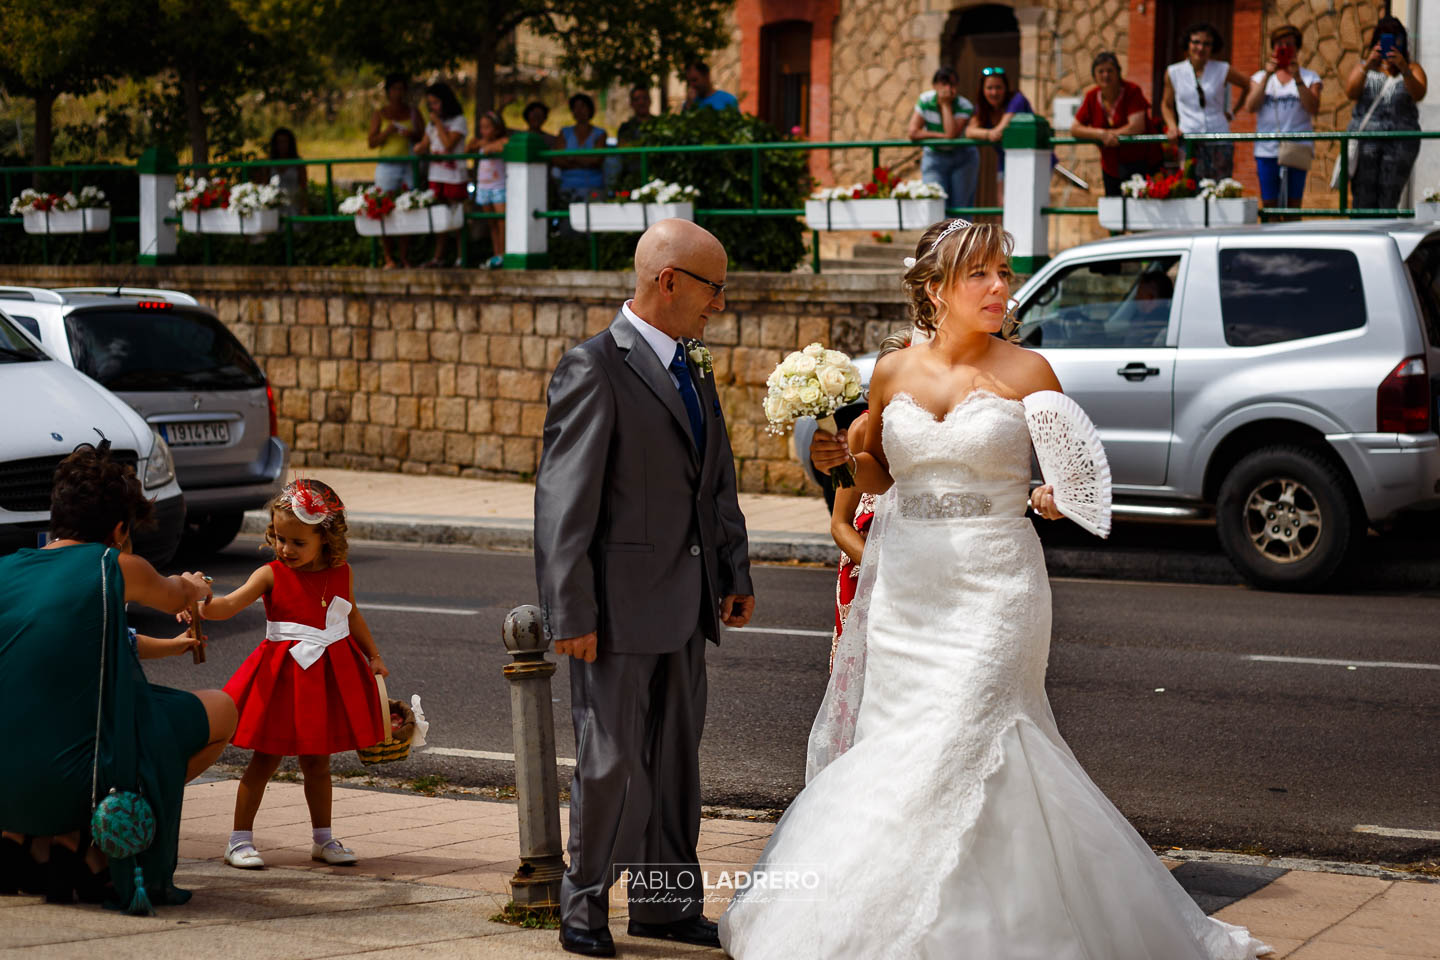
785 75
975 37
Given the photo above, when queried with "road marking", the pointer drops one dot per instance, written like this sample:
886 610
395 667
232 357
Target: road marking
781 631
402 608
1397 832
487 755
1316 661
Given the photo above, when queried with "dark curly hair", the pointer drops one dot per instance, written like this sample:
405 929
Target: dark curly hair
92 493
937 264
334 532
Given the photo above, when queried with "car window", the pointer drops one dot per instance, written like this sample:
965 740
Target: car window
15 347
1272 294
1424 266
165 349
1104 303
29 323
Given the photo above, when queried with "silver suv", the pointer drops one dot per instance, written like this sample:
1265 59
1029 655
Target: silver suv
177 365
1280 377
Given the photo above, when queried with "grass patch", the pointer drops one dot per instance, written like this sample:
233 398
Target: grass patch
287 776
431 785
531 918
351 773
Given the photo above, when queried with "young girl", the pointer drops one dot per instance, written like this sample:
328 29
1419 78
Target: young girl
308 689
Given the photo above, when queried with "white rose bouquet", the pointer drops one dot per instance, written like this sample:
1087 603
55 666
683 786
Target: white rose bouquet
814 382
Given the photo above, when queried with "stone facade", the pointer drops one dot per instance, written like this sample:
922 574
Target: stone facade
444 372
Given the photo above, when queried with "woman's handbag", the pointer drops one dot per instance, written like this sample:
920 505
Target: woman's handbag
1352 147
123 824
1295 154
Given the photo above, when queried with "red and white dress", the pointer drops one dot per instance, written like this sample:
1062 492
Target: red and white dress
308 688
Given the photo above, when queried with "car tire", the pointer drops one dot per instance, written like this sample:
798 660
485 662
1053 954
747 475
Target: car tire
1286 518
210 533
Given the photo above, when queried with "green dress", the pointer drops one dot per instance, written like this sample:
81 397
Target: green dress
51 622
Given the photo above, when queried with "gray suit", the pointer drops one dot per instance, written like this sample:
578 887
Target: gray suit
638 535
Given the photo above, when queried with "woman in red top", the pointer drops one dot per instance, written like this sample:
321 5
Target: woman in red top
1115 108
309 689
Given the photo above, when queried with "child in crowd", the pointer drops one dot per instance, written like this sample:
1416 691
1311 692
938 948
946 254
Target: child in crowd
308 690
490 179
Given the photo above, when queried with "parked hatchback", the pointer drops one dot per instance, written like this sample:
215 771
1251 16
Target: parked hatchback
177 365
1281 379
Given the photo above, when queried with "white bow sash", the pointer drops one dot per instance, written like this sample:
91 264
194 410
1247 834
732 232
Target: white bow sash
310 642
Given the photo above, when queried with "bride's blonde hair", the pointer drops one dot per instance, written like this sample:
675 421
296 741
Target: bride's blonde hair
942 254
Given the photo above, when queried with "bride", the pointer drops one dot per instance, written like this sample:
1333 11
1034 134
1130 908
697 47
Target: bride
957 823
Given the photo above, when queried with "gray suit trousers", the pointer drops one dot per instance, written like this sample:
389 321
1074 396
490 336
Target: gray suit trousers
635 796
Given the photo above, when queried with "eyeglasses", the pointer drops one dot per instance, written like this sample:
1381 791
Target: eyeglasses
1201 43
993 72
718 288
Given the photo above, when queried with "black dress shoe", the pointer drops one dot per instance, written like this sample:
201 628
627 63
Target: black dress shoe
589 943
696 930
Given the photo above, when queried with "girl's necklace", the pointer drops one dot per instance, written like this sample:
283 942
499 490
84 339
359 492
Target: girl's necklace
324 585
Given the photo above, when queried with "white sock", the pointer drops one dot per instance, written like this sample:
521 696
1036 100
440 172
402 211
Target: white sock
321 834
242 836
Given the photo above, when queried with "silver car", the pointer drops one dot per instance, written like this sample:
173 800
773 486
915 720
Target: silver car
175 363
1281 379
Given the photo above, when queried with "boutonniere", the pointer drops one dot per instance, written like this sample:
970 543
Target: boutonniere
699 355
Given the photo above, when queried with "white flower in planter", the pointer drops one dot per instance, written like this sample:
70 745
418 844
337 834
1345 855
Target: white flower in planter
918 190
658 191
415 200
1432 195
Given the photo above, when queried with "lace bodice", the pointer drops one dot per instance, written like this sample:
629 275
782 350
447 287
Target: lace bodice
975 462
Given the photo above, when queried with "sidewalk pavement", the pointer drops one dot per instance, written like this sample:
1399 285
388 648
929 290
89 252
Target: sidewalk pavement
434 870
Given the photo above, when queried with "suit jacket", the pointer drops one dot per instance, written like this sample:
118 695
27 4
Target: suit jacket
637 533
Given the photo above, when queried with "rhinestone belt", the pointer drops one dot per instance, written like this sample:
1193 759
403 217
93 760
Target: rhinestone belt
928 506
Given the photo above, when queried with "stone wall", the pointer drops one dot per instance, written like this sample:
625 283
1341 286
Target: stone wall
445 372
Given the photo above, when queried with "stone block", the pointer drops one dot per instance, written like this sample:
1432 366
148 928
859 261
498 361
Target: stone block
742 439
342 342
382 345
444 315
547 319
282 371
495 317
474 348
402 315
467 380
572 322
395 442
520 384
359 407
270 310
424 315
299 341
352 437
395 377
382 409
407 412
369 376
812 330
357 312
374 440
412 345
228 310
425 413
427 446
285 430
478 417
459 448
749 329
490 453
360 344
271 341
295 403
532 352
312 312
777 331
506 417
424 379
450 413
320 342
308 371
445 345
337 408
532 419
522 318
555 348
722 329
467 318
596 318
445 380
307 436
335 311
752 475
332 437
720 358
520 455
787 476
329 374
505 351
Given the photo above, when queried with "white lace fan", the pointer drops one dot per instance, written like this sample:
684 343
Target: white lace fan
1072 459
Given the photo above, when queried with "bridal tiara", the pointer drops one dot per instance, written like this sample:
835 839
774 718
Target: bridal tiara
956 224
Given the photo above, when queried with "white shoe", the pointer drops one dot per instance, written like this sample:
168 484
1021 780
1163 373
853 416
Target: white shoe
334 853
244 855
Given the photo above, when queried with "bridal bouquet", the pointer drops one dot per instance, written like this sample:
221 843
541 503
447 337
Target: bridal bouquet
814 382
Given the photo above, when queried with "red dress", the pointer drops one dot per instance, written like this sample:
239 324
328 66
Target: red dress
331 706
849 576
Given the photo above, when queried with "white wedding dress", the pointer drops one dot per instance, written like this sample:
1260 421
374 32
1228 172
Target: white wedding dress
958 824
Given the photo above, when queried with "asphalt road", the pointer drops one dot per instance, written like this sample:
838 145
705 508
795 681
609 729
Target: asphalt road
1155 687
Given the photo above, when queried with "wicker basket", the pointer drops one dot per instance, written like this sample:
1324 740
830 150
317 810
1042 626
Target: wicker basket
396 746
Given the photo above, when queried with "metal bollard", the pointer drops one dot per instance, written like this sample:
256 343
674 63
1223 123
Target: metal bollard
536 884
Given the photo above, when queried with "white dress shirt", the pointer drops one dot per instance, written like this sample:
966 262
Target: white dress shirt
661 342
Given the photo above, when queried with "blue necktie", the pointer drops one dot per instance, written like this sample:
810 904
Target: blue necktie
687 393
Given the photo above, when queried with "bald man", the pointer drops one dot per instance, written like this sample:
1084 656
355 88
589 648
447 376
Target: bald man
640 554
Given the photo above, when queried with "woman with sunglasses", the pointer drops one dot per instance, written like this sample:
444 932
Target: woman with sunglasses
995 104
1196 100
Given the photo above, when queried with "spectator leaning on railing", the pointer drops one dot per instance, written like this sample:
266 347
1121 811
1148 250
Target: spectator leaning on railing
1197 101
1385 86
1115 108
581 176
292 177
994 107
941 114
444 134
490 179
395 127
1285 96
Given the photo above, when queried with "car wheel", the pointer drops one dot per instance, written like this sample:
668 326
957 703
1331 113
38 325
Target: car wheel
1286 518
210 533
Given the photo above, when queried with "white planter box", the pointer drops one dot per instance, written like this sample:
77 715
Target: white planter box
1427 212
873 214
84 220
436 219
1122 213
229 222
625 217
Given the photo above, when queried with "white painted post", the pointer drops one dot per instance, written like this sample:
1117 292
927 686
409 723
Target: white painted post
526 177
157 188
1027 190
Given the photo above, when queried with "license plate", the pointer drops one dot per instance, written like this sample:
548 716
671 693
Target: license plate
195 434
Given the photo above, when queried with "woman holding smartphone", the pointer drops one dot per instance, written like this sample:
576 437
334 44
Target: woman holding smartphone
1386 86
1285 97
